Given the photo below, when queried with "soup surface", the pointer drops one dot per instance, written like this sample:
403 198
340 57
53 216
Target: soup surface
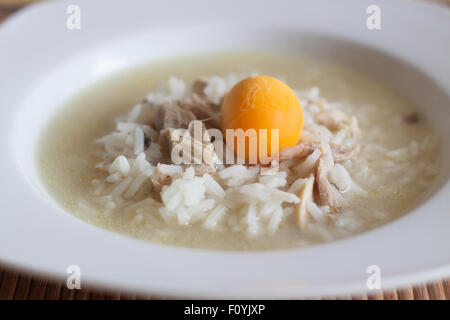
392 173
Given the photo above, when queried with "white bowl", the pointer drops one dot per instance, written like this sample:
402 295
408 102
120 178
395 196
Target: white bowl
43 63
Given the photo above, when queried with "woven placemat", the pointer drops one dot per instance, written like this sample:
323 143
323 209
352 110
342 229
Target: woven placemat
15 285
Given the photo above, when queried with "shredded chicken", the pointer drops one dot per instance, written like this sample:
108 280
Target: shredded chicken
202 109
167 118
304 149
175 122
165 139
306 195
316 133
193 146
159 179
198 86
301 150
201 137
333 119
308 165
170 115
327 193
342 153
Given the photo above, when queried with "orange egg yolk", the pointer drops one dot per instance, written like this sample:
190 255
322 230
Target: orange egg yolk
263 102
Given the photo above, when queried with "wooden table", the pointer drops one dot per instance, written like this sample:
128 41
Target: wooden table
16 285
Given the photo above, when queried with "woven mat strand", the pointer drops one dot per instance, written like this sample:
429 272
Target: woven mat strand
14 285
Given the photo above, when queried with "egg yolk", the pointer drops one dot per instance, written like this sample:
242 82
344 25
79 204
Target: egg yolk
263 102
